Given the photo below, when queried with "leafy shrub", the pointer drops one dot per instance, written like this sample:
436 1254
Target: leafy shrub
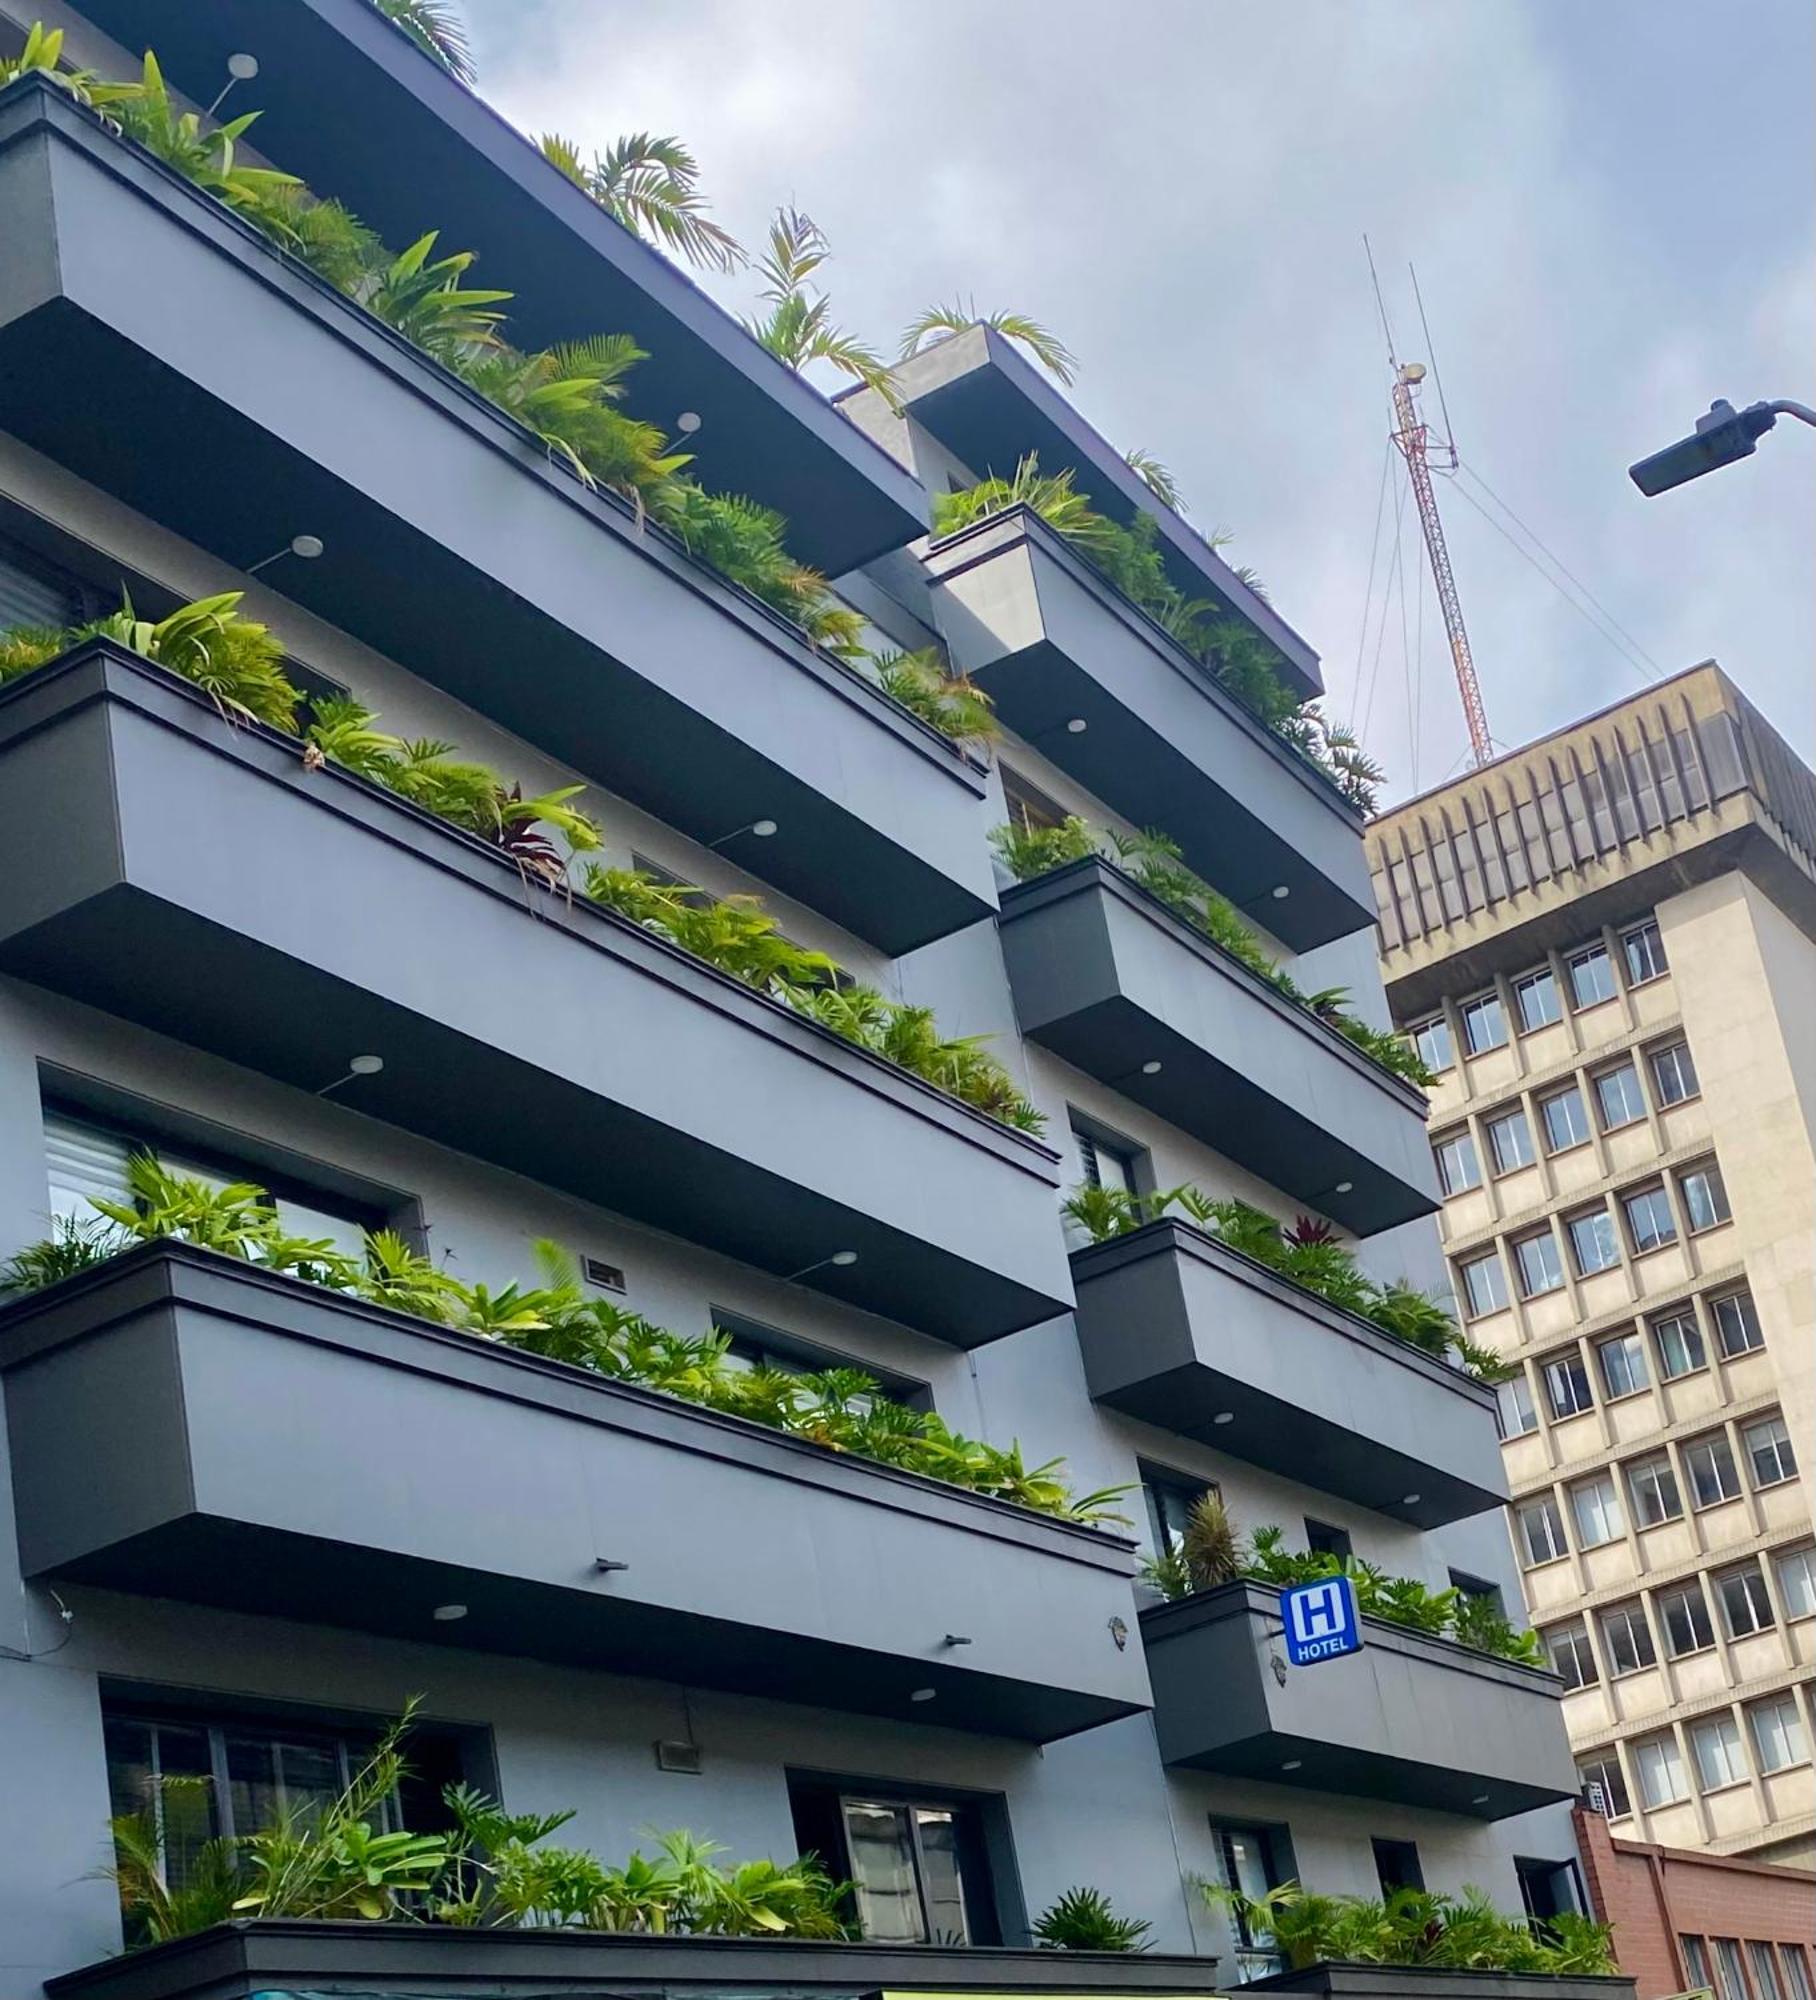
1085 1920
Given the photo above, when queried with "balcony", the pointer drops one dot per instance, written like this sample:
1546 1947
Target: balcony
1415 1720
1353 1981
203 882
184 1426
1182 1331
409 149
1055 645
1109 978
155 345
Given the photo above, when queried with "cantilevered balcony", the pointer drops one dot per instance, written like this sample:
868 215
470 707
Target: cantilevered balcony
1110 978
157 346
1416 1720
202 881
1184 1332
1056 646
185 1426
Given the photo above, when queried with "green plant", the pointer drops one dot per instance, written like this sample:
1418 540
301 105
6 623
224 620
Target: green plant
953 703
1086 1920
798 327
145 113
436 28
75 1243
236 663
651 184
1208 1543
42 56
938 322
427 303
1157 479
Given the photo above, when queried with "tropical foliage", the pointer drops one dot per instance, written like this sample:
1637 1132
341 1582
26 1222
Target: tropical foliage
1308 1253
1129 556
953 703
650 182
1415 1927
798 327
838 1409
1153 860
1086 1920
436 27
938 322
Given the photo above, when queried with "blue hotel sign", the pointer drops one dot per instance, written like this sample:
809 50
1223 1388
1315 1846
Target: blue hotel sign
1321 1621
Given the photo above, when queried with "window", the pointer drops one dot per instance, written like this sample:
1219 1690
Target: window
1797 1582
1797 1970
906 1876
1653 1485
1593 1243
1661 1773
1432 1040
1650 1223
1597 1508
1715 1744
1680 1344
1618 1098
1768 1445
1484 1023
1627 1639
1513 1399
1644 951
1170 1498
1745 1603
1467 1585
1736 1323
1705 1197
1548 1888
1484 1285
1605 1785
1623 1364
1572 1655
1567 1386
1538 999
1541 1268
1397 1865
1696 1962
1766 1983
1710 1466
1566 1122
1510 1141
1591 976
1028 807
1684 1613
1778 1736
33 593
756 1344
1674 1074
1253 1859
1541 1531
1105 1163
1324 1540
1458 1168
1730 1977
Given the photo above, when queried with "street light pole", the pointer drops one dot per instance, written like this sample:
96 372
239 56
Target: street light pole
1720 437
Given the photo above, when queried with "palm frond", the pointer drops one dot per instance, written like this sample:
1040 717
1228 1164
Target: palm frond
436 27
1046 347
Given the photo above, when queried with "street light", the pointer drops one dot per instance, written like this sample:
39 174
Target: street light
1721 437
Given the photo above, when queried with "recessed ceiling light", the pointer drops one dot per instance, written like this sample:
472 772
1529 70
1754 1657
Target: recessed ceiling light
1293 1764
1281 891
1480 1799
1346 1187
923 1694
1077 726
446 1614
1224 1417
1409 1499
1151 1068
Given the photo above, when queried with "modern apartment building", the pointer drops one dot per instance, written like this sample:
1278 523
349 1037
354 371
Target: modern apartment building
249 1516
1606 943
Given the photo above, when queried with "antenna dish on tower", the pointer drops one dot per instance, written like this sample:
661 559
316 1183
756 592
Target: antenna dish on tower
1414 371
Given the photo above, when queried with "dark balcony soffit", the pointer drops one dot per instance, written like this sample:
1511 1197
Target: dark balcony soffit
292 1958
454 544
990 407
1052 642
541 1033
1413 1719
1106 976
1353 1981
350 104
1178 1329
189 1376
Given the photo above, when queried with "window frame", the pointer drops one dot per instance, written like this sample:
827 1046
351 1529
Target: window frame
1567 1370
1556 1268
1657 966
1681 1317
1541 977
1727 1733
1745 1583
1697 1622
1642 1648
1459 1143
1489 1260
1161 1484
1637 1377
1619 1073
1487 1005
1599 1229
1721 1452
1783 1453
1653 1201
1542 1507
1657 1473
1436 1045
1748 1318
1777 1704
1598 1771
1513 1119
1709 1173
1581 1129
1677 1055
1517 1389
1608 1516
1574 1641
1583 955
1803 1558
1671 1760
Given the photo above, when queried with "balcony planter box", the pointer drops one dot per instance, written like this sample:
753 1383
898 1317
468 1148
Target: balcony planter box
1053 643
1345 1981
183 1425
206 884
146 332
1108 977
1179 1330
235 1961
1413 1719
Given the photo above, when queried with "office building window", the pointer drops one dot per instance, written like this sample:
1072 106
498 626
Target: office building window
1623 1364
1572 1656
1684 1613
1674 1074
1484 1285
1736 1323
1593 1243
1644 952
918 1862
1745 1605
1397 1865
1103 1162
1567 1387
1796 1570
1458 1168
1778 1734
1653 1486
1541 1531
1541 1268
1709 1465
1537 997
1766 1983
1566 1121
1513 1399
1605 1786
1432 1040
1591 976
1680 1344
1324 1540
1548 1888
1484 1023
1705 1197
1627 1639
1597 1508
1650 1223
1696 1962
1768 1445
1029 809
1715 1744
1619 1100
1170 1498
1252 1859
1797 1971
1730 1974
1510 1141
1660 1771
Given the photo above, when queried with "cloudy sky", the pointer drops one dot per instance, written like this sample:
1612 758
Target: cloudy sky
1609 204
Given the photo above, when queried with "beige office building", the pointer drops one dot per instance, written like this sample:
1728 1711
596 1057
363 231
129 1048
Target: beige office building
1605 944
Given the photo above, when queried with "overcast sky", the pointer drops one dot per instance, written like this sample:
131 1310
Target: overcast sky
1609 203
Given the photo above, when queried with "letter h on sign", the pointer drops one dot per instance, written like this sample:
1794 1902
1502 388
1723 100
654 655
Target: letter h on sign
1320 1620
